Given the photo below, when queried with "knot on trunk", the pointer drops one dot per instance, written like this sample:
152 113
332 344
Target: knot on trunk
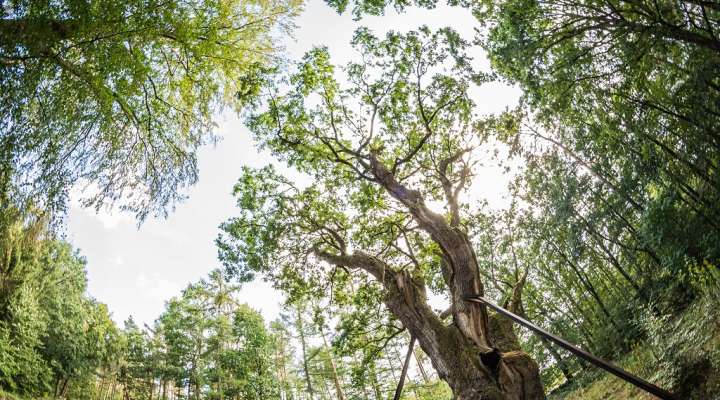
491 360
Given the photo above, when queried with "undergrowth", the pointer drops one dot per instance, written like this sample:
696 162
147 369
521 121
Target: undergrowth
681 354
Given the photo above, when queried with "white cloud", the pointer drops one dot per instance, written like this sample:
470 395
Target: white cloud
111 219
156 288
261 296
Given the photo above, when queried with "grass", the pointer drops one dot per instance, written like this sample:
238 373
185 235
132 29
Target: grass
9 396
593 384
682 355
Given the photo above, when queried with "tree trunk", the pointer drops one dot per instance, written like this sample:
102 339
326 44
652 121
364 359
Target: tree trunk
403 374
421 367
471 372
112 390
303 345
63 390
463 353
375 384
558 359
333 368
56 391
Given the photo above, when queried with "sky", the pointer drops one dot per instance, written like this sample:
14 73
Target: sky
135 270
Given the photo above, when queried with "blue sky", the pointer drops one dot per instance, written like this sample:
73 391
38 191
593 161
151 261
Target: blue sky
135 270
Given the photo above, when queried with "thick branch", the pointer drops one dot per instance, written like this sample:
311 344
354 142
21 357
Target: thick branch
464 276
405 297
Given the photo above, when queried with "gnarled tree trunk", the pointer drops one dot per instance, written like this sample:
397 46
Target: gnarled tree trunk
464 353
473 371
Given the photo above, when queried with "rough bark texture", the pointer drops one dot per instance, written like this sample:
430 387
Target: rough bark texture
471 372
478 358
464 353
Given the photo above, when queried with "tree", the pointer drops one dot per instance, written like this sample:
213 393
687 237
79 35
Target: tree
283 358
213 347
252 372
22 321
118 95
53 337
137 366
402 136
623 91
186 327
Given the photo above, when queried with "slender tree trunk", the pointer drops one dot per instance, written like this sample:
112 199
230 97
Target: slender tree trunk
303 346
325 387
562 365
365 381
57 388
333 369
403 374
591 289
421 367
63 390
375 384
103 387
392 364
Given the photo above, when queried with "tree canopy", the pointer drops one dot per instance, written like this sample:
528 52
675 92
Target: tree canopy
401 135
119 95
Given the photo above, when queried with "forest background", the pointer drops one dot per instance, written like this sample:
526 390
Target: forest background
607 234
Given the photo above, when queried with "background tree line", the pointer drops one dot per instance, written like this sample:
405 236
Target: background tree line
57 342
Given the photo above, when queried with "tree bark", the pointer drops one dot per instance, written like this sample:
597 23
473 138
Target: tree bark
333 368
403 374
63 390
470 372
112 390
562 365
375 384
463 353
421 367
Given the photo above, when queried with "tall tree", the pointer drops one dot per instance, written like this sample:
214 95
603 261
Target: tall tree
53 336
403 135
625 94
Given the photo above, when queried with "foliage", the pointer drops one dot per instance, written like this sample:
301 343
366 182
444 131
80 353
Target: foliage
611 239
205 344
314 138
50 331
615 203
401 135
119 95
